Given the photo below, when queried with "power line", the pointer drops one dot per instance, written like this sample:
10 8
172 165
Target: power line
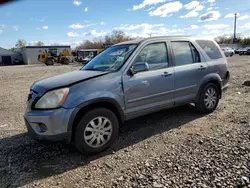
244 10
222 17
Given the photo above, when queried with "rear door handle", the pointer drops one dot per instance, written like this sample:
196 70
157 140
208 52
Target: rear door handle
166 74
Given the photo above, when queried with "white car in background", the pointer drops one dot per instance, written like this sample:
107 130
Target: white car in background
228 51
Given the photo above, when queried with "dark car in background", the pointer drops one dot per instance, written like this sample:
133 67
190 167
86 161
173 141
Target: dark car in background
237 51
244 51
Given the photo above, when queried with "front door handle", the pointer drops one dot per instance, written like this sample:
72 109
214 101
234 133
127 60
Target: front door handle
202 67
166 74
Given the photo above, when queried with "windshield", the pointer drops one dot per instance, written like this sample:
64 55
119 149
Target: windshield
90 56
111 59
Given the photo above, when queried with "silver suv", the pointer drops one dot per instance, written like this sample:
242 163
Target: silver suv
125 81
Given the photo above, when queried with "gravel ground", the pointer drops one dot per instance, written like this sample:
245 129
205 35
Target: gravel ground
173 148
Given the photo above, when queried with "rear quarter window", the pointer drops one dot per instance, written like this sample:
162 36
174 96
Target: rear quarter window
210 48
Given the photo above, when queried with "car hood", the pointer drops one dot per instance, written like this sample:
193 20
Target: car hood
64 80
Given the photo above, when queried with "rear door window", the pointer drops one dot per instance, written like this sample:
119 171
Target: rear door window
184 53
210 48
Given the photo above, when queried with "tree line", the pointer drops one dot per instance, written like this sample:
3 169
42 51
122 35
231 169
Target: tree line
229 40
119 36
110 39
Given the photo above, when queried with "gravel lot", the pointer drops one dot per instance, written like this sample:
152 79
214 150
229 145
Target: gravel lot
173 148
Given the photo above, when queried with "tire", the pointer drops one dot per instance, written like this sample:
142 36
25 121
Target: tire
231 54
204 106
85 131
65 61
49 62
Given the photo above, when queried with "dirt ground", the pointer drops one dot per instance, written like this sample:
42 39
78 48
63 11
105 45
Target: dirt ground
173 148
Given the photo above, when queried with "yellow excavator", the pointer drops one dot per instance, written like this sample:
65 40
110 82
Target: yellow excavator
51 57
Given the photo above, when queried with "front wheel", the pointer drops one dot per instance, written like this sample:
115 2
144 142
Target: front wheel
96 131
208 99
65 61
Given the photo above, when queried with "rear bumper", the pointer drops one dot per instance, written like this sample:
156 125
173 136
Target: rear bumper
225 81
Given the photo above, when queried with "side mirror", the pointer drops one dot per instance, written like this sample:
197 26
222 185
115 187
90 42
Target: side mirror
139 67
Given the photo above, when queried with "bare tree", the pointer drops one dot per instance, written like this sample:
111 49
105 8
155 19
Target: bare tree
113 38
40 43
245 41
229 40
20 43
54 44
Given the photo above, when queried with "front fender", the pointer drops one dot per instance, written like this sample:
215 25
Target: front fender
89 102
75 102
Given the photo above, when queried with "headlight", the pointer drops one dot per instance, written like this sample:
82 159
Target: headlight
52 99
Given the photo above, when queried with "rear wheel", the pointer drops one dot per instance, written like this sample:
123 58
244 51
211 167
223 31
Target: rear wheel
49 62
208 99
96 131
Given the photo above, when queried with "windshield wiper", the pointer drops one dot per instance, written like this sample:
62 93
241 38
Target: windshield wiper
93 69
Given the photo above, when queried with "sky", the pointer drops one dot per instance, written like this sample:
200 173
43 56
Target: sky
69 22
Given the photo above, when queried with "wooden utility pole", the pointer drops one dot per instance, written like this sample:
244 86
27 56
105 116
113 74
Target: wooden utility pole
235 19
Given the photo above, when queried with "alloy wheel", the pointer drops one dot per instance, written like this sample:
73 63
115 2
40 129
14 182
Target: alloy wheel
211 98
98 132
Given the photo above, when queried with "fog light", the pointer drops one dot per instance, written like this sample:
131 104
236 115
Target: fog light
41 127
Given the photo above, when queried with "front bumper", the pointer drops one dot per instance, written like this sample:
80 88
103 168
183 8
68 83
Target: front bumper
33 134
54 123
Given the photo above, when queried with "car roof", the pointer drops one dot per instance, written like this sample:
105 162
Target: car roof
84 50
174 37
